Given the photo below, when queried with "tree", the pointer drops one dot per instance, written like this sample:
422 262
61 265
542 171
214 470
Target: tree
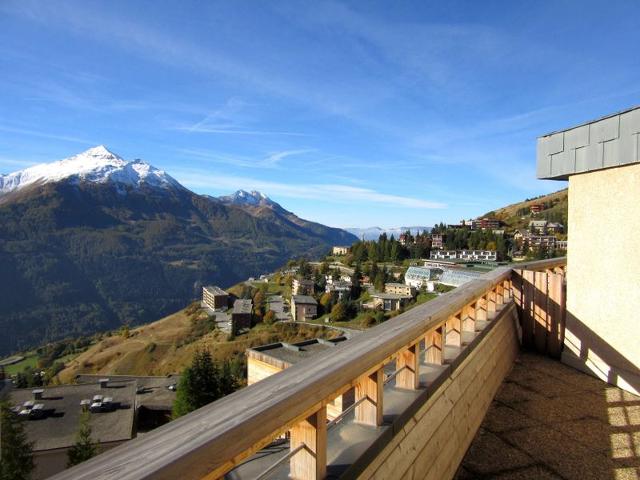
201 383
83 449
16 452
339 312
269 317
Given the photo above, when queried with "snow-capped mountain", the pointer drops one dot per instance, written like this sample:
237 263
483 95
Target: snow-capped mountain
372 233
97 165
242 197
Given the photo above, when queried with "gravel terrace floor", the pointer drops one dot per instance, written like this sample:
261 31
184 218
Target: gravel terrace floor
549 421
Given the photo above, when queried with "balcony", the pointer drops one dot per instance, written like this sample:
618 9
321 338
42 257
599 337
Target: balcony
423 384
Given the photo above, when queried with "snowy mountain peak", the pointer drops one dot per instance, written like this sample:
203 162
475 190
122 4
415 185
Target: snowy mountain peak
242 197
96 165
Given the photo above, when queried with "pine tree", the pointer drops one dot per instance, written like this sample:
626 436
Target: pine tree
84 448
16 452
202 383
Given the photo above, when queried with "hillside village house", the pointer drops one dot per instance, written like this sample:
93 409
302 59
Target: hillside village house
303 308
340 250
388 302
241 315
437 241
215 298
467 255
400 289
302 286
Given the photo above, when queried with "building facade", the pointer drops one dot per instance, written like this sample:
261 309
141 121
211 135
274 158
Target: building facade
303 308
215 298
400 289
340 250
241 315
601 161
302 286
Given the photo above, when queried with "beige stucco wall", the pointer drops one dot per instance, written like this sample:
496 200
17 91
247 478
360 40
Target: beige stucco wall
603 275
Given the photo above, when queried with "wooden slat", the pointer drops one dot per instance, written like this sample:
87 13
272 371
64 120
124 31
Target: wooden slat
211 440
556 310
528 293
540 327
481 308
469 318
433 346
310 463
370 387
409 361
452 331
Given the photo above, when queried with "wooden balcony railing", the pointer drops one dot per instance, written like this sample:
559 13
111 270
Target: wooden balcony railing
213 440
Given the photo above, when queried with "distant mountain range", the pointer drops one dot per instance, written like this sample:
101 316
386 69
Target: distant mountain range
372 233
94 241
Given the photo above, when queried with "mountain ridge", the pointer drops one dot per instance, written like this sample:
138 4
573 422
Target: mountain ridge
84 256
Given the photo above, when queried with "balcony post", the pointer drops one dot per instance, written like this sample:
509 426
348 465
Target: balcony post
409 376
370 387
310 463
469 318
433 346
499 294
481 308
452 331
491 303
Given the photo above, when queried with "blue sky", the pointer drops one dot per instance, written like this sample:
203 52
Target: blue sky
347 113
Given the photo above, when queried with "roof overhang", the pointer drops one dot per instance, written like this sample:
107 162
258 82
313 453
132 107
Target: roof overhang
607 142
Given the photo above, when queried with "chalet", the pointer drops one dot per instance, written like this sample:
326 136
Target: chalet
302 286
303 308
538 226
536 208
389 302
437 240
400 289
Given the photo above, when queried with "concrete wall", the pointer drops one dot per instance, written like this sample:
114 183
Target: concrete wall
603 275
433 442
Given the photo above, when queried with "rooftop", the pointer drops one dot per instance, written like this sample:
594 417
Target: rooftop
607 142
62 414
286 354
214 290
242 306
151 392
304 299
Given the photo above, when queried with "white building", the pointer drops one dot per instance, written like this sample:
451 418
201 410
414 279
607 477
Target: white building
416 277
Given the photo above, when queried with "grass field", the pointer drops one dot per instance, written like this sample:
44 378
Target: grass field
30 360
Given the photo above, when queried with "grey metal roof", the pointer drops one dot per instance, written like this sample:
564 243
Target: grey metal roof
304 299
242 306
152 392
62 405
215 290
610 141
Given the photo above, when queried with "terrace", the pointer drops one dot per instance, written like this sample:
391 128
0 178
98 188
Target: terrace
423 382
430 395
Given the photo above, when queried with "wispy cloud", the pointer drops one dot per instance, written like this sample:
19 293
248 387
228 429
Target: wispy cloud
270 160
51 136
334 193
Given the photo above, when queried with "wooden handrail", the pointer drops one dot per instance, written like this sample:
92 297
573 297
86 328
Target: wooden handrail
214 439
